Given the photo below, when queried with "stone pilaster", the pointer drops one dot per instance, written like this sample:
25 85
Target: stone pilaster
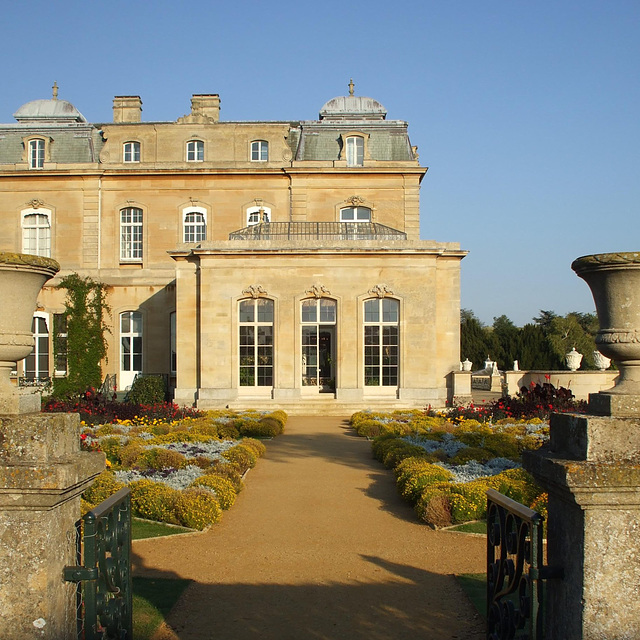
591 470
42 474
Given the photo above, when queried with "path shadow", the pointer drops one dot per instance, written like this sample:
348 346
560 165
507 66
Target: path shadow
404 603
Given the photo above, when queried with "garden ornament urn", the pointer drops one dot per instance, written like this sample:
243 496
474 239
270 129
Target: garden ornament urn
21 279
573 360
602 362
466 365
614 280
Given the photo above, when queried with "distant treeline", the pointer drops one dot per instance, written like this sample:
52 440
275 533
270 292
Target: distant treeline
541 344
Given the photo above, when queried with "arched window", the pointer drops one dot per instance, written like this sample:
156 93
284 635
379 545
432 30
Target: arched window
355 151
36 232
355 214
131 234
195 151
194 224
255 332
381 342
318 318
130 347
131 151
259 151
36 364
36 153
255 215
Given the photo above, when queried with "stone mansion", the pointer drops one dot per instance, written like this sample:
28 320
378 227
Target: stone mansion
263 264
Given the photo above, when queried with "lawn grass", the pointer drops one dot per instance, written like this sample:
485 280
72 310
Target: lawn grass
153 598
475 586
147 529
477 526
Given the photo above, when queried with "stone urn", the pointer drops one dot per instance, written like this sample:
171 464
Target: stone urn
573 360
466 365
614 280
602 362
21 279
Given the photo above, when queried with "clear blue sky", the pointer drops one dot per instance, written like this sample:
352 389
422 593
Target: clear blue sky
526 113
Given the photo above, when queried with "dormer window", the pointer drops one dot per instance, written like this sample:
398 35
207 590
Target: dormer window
195 151
259 151
36 153
355 214
355 151
131 152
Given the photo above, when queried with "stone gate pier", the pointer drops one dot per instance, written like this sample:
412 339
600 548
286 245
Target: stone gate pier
591 470
42 474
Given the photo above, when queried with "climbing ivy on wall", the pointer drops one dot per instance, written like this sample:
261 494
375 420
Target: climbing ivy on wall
85 344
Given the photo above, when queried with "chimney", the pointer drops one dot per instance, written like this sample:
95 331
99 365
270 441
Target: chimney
127 109
207 105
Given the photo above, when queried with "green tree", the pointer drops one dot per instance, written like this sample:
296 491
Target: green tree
476 339
507 344
574 330
85 312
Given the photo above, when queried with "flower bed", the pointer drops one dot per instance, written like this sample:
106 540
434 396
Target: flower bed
184 471
445 462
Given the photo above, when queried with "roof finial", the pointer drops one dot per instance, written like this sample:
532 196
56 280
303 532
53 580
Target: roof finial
350 86
55 90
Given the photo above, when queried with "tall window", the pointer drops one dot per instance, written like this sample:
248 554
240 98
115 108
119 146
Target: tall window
355 214
131 151
259 151
61 335
172 343
36 232
255 319
318 317
36 364
195 151
131 234
130 345
256 215
36 153
194 225
381 342
355 151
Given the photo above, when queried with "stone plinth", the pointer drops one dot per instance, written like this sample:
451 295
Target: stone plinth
42 474
591 470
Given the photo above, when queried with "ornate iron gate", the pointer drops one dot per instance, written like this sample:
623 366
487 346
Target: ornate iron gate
104 577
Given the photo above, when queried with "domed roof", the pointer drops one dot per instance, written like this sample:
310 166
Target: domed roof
353 107
52 110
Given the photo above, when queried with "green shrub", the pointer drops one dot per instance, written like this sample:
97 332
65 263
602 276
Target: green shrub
107 430
103 486
414 474
434 505
382 444
222 488
474 505
472 453
255 445
516 484
130 453
241 456
397 452
154 501
228 471
228 431
281 416
160 458
147 390
369 428
197 508
111 448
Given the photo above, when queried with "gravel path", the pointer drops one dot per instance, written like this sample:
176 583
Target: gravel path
318 546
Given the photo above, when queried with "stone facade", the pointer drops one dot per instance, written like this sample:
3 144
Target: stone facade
178 219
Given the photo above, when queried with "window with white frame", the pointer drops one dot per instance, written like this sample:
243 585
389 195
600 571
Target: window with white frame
36 364
355 151
255 333
173 353
259 151
131 151
60 337
36 232
381 342
36 153
131 234
318 343
131 342
355 214
255 215
194 225
195 151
